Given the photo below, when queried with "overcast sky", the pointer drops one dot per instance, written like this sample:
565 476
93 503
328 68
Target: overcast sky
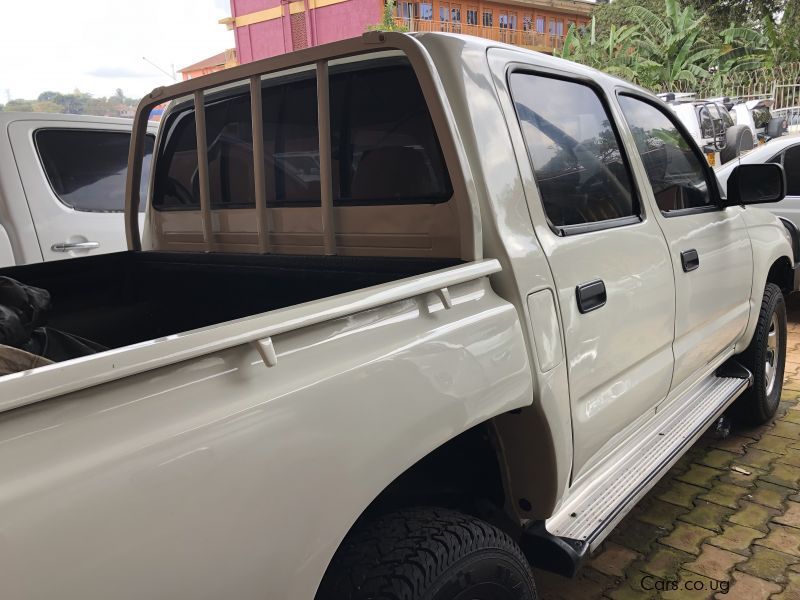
98 45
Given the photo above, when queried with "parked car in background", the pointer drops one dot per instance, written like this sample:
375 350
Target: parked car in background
475 314
711 127
756 115
62 185
785 151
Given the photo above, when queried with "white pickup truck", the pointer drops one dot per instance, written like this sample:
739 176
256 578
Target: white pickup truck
62 185
408 314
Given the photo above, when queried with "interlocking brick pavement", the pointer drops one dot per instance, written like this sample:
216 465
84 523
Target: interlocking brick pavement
724 522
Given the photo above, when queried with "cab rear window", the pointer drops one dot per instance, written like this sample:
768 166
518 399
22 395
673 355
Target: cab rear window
384 147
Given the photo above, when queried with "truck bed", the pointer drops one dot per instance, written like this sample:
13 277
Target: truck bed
128 297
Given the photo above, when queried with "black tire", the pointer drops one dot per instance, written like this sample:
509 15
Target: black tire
737 138
427 554
758 404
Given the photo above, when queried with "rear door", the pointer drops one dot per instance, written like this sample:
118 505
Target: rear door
74 175
709 246
608 256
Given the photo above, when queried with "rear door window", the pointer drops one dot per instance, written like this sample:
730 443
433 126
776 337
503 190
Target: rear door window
582 174
87 168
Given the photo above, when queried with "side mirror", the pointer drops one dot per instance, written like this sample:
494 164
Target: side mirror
756 184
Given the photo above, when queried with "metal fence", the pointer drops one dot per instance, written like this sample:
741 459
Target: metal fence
781 83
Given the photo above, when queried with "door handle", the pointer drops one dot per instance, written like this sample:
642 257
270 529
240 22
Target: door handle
67 246
690 260
590 296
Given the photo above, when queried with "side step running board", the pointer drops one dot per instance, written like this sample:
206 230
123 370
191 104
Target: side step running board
591 511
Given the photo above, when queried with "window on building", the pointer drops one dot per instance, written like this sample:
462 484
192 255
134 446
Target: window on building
539 24
676 172
512 20
472 16
87 169
405 10
426 11
384 147
552 28
526 23
487 18
560 28
581 173
456 14
502 21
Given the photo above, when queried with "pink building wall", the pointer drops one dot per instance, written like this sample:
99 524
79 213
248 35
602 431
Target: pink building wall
339 21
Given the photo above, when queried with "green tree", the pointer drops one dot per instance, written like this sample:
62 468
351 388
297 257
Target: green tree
748 13
617 14
616 53
46 107
18 105
676 46
388 22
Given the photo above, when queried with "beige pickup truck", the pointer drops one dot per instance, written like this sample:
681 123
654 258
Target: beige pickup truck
407 315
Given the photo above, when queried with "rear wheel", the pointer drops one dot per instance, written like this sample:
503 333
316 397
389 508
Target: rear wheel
765 357
427 554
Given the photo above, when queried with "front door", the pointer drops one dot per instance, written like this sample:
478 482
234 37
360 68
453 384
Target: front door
709 246
609 260
74 180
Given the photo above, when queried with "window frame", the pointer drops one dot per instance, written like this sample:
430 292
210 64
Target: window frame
34 135
580 228
711 179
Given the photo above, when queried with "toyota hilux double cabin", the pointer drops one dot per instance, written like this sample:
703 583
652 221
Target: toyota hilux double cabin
407 315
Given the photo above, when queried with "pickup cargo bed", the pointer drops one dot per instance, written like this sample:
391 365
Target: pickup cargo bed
128 297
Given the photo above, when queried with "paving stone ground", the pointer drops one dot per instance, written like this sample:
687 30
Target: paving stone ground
724 522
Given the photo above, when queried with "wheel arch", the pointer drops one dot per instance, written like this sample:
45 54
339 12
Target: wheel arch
773 262
781 273
466 473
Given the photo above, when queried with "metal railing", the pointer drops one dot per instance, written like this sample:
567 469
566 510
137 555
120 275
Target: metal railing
517 37
250 75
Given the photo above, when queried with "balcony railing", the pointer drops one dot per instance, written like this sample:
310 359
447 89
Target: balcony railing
518 37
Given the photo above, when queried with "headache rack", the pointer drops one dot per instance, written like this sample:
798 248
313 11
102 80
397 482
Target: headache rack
251 73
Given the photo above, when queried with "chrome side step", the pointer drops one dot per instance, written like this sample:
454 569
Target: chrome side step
590 512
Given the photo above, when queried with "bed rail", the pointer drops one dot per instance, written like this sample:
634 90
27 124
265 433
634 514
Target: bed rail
27 387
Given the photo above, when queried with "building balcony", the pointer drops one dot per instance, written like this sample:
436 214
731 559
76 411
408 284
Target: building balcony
527 39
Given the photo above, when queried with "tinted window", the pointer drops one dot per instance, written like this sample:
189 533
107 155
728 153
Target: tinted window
791 166
710 121
384 148
87 169
761 117
384 144
727 120
675 172
580 171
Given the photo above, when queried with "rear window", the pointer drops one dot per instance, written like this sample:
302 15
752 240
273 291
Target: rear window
761 117
87 168
384 147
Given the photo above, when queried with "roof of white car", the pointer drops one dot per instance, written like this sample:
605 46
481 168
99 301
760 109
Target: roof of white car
761 154
8 117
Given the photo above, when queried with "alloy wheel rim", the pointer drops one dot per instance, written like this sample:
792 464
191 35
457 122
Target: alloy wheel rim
771 355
